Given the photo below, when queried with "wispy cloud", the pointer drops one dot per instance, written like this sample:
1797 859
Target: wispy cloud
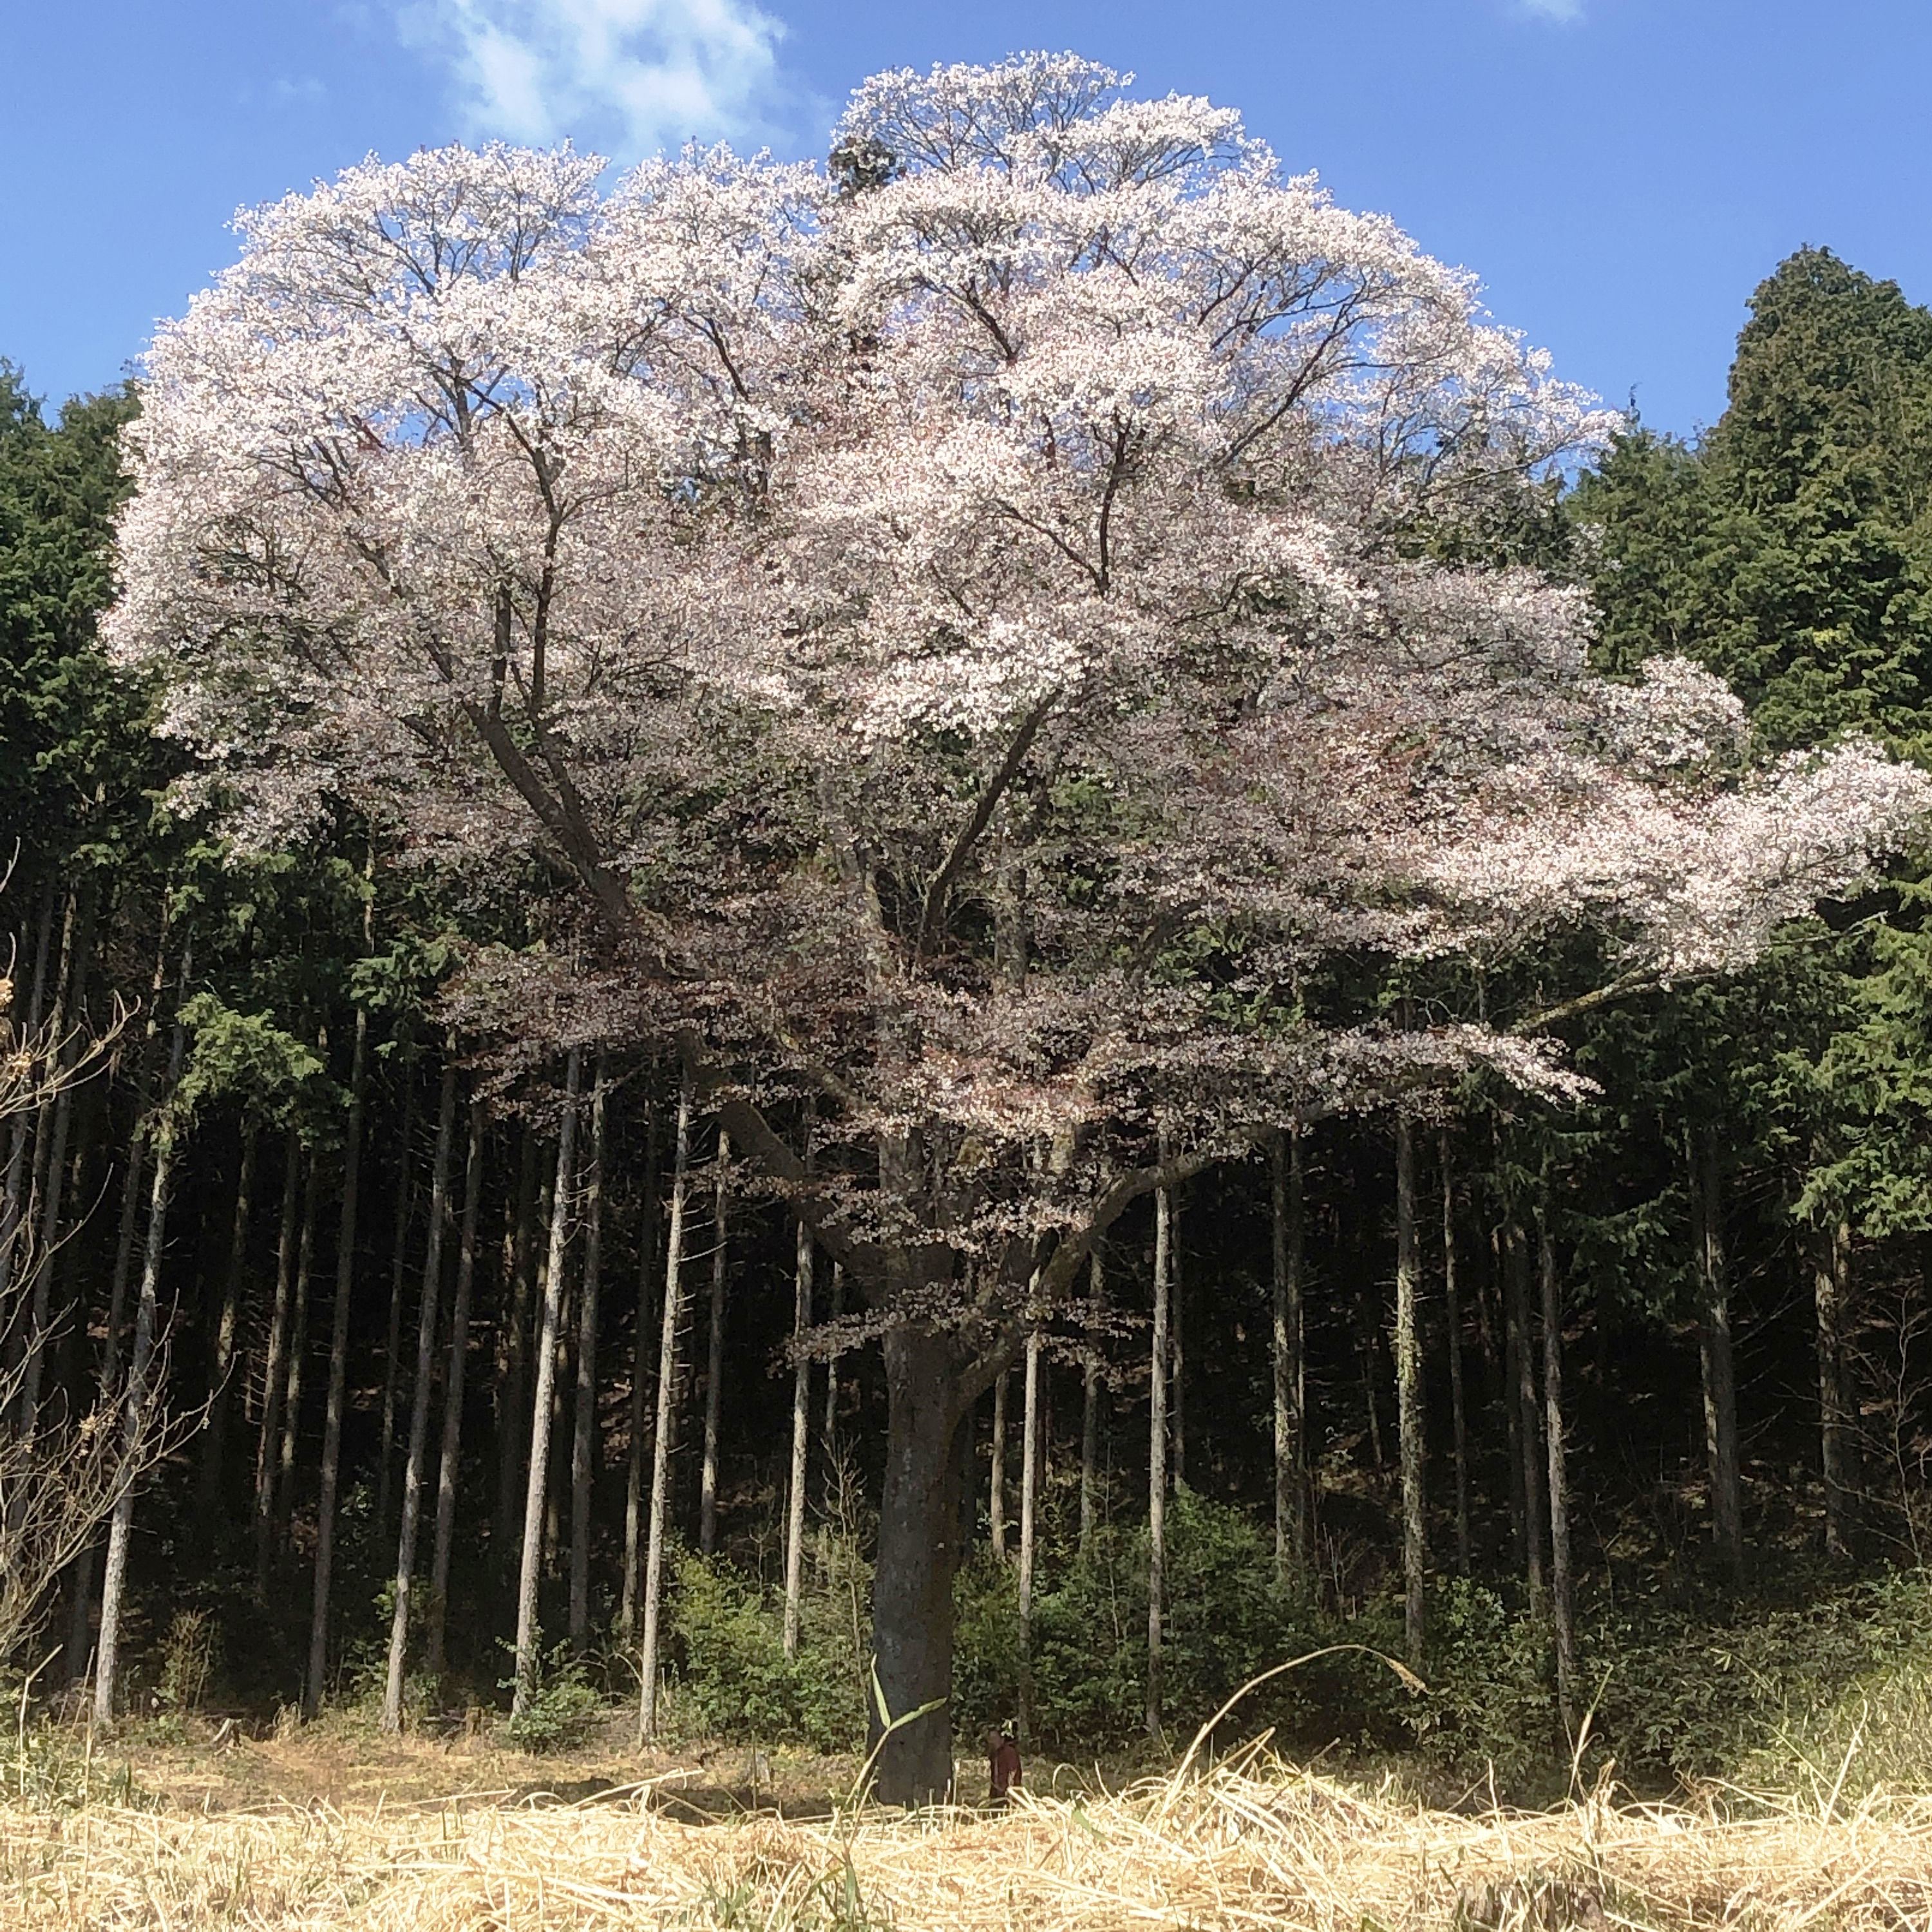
1553 10
627 77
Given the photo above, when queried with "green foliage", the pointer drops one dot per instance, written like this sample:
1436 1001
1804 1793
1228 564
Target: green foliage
1227 1619
51 1769
736 1676
244 1057
562 1707
191 1654
79 760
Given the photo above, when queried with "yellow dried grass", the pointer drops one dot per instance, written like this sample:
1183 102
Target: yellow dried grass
1251 1844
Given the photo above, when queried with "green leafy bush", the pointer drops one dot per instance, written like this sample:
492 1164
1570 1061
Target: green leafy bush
739 1682
561 1709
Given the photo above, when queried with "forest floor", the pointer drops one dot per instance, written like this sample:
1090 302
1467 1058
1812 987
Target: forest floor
323 1831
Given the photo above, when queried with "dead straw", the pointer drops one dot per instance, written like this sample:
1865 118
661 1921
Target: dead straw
1252 1844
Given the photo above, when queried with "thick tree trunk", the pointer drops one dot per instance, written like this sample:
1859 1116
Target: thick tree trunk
1030 1452
1157 1358
1289 1352
1409 1417
643 1346
135 1402
530 1570
275 1367
1718 1371
714 1355
912 1590
1830 1282
584 1434
392 1348
1090 1408
996 1485
317 1677
1452 1315
1561 1587
449 1464
672 1316
419 1396
801 1441
227 1326
513 1327
1523 1356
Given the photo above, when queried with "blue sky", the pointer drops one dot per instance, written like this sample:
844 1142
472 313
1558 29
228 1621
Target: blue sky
1618 173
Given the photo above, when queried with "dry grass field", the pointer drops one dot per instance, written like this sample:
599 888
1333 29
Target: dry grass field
1251 1843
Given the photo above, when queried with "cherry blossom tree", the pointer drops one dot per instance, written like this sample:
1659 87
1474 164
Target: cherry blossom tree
971 620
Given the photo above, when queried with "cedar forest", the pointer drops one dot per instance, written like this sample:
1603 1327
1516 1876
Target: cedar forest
971 938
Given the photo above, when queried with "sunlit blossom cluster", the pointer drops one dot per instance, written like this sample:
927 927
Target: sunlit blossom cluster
937 596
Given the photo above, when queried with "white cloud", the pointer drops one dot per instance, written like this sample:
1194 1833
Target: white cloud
1554 10
625 76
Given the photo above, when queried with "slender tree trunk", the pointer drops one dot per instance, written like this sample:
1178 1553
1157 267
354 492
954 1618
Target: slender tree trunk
56 1116
124 1241
449 1464
38 1287
1176 1399
419 1398
1089 1408
317 1678
829 1438
1368 1348
1512 1405
530 1574
1562 1590
1029 1447
714 1357
583 1437
227 1324
399 1242
1452 1312
512 1423
1288 1351
801 1441
667 1419
1719 1374
1524 1402
996 1504
274 1368
1409 1417
1157 1360
1830 1281
21 1128
135 1404
291 1405
642 1343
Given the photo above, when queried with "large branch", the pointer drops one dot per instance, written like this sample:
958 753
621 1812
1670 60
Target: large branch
563 817
932 915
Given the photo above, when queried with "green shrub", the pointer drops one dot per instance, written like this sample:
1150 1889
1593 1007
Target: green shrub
561 1709
735 1675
